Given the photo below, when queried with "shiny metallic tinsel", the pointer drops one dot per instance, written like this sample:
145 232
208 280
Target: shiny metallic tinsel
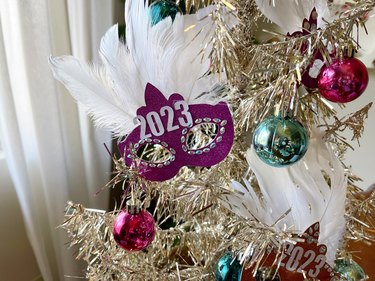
262 77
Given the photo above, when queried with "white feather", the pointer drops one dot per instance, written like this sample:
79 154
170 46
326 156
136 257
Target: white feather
300 188
90 88
289 14
167 55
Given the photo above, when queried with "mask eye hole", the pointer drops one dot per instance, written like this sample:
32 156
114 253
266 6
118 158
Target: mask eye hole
201 135
154 153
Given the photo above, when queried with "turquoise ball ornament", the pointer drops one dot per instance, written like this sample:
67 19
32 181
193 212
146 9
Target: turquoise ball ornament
280 141
161 9
350 270
228 268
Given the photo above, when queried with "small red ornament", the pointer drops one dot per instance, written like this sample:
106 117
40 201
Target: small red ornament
343 81
305 257
134 230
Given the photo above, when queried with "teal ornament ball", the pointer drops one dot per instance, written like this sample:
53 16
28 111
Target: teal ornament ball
161 9
350 270
228 268
279 141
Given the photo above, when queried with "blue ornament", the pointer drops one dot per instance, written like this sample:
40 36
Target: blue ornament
280 141
350 270
161 9
228 268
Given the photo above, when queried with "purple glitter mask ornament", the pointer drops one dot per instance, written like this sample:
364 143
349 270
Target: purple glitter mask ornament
173 134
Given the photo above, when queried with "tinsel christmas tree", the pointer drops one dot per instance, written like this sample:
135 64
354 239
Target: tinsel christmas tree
231 159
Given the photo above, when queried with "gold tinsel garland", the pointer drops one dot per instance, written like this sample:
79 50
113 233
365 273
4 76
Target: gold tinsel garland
261 76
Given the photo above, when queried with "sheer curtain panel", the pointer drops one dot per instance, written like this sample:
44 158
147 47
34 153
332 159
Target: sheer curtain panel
52 151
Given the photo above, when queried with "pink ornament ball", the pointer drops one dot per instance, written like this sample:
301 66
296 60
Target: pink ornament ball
134 232
343 81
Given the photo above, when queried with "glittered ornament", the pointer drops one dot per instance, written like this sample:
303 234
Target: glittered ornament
304 260
343 81
161 9
280 141
228 268
134 230
350 270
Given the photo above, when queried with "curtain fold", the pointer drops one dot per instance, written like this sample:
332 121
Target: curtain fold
53 152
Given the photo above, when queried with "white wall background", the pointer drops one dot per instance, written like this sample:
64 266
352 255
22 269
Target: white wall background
362 158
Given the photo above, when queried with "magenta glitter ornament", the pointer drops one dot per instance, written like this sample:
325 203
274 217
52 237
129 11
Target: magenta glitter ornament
343 81
173 134
134 231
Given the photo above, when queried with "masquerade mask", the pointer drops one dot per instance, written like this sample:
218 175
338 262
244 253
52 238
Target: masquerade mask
172 134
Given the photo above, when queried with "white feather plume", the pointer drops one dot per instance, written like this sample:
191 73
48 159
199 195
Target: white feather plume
91 88
300 188
168 55
289 14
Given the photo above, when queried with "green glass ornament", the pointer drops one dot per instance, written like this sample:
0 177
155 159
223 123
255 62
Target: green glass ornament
228 269
161 9
350 270
280 141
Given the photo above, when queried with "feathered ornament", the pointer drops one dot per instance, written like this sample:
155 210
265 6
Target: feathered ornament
289 15
311 191
298 18
172 56
156 89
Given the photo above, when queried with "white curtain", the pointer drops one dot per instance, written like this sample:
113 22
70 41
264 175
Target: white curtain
53 153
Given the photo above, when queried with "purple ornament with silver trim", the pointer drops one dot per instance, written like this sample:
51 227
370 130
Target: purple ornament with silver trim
173 134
